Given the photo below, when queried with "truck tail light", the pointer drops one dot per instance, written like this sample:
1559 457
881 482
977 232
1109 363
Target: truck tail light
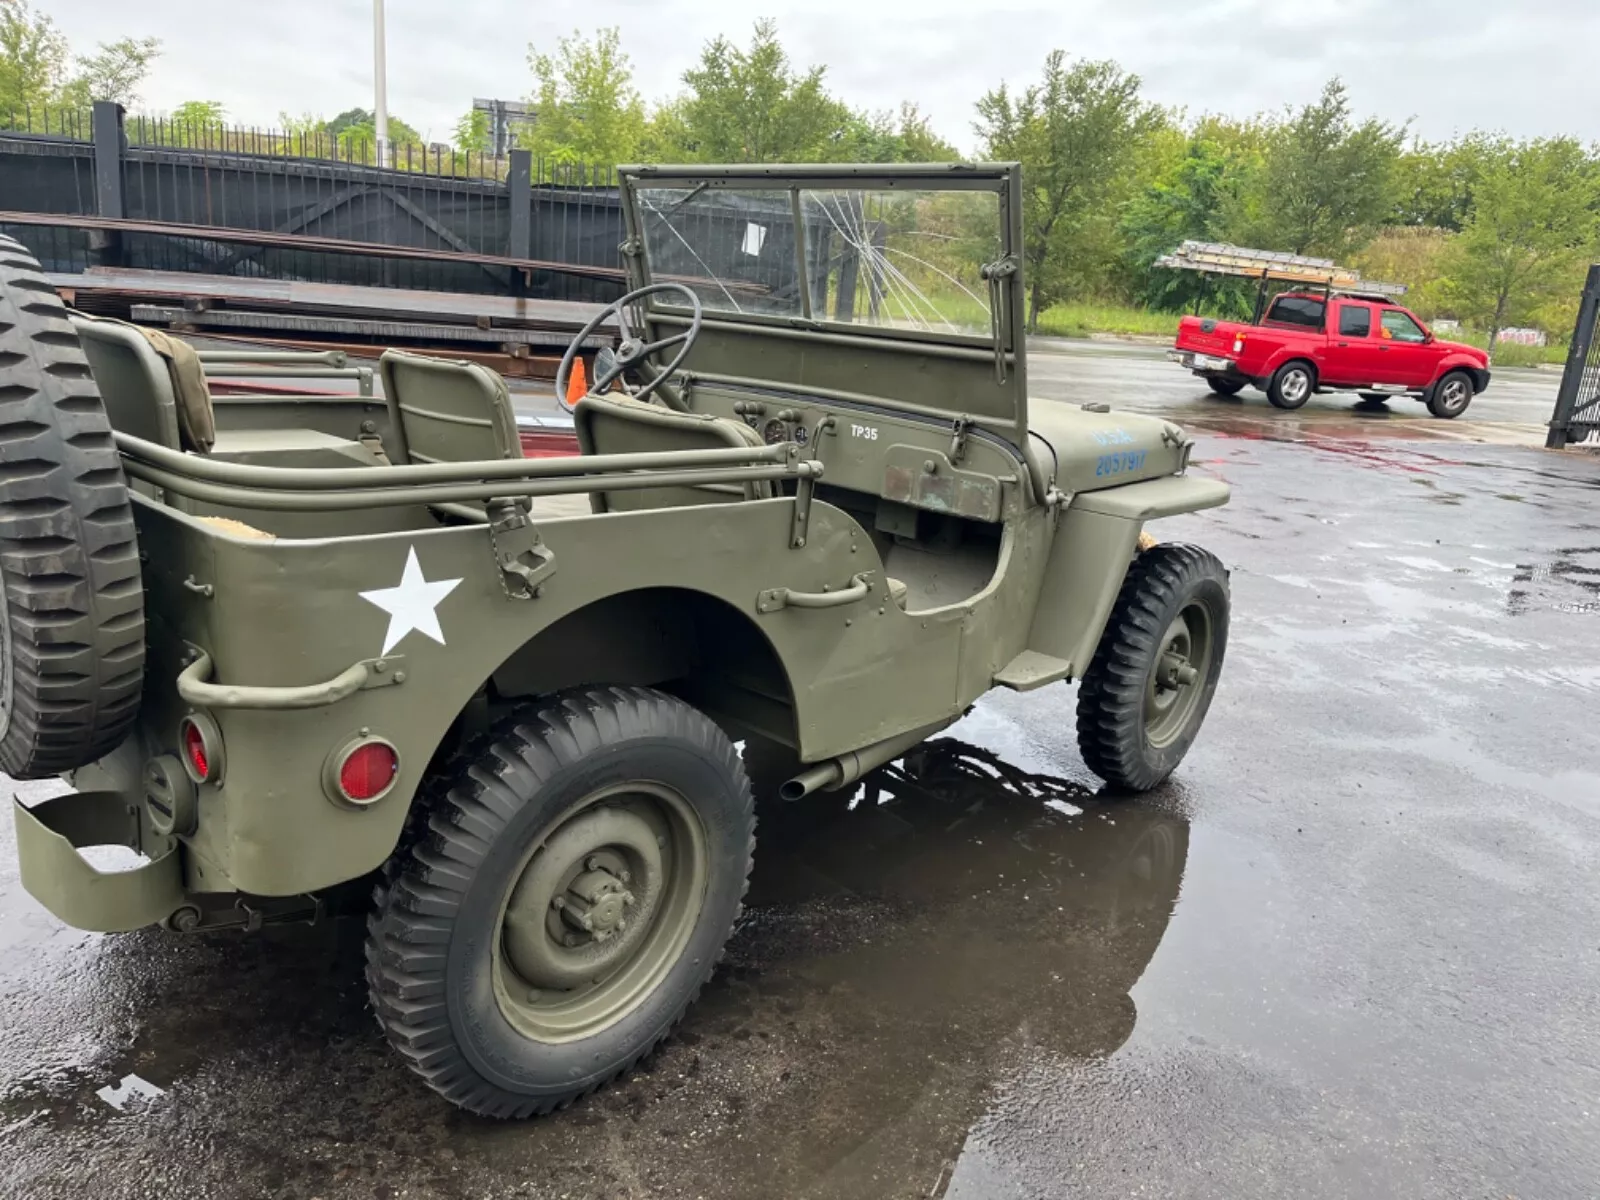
1238 344
363 770
201 744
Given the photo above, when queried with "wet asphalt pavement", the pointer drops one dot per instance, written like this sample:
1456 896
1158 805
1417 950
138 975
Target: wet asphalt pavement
1351 950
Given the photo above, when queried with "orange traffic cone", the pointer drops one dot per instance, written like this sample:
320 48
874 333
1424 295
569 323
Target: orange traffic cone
577 383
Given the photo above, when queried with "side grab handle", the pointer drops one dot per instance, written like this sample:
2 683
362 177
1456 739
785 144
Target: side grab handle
194 686
773 599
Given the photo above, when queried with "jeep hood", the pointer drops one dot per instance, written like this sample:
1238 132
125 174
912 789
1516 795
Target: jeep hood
1092 450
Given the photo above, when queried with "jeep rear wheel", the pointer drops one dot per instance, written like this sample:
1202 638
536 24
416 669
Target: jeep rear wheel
1291 385
71 604
565 895
1450 396
1147 690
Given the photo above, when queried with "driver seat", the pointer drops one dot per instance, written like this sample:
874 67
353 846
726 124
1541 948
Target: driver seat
618 424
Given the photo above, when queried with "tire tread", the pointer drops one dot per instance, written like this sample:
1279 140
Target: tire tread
448 834
69 557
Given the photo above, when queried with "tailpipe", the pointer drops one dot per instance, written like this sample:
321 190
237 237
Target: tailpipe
847 768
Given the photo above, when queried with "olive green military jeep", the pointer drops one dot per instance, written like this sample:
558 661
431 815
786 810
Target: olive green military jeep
283 646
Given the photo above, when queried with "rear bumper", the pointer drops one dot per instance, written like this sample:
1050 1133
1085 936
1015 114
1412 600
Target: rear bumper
1195 360
49 836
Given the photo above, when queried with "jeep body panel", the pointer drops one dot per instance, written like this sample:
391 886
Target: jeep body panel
922 538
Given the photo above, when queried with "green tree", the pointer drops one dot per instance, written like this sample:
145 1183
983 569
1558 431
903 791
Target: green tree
1074 133
886 137
752 105
1195 199
33 60
1434 182
471 132
348 118
113 72
201 112
190 121
588 110
1328 183
1533 223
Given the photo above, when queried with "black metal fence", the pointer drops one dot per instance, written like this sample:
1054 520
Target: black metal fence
210 179
1577 415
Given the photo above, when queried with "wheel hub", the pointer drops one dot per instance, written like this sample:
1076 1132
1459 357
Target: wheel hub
1176 675
585 899
596 902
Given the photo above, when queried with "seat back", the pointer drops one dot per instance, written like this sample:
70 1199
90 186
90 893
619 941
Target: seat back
614 424
135 384
445 411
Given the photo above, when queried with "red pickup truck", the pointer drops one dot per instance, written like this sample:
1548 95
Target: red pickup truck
1313 342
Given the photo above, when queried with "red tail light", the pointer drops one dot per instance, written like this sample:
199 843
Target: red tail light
368 771
201 744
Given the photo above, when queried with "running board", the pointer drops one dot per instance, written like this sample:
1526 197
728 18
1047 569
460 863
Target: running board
1030 670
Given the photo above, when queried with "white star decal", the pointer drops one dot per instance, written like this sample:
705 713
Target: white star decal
411 605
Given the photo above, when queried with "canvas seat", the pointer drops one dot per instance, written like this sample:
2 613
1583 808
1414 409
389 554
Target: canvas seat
617 424
152 385
446 411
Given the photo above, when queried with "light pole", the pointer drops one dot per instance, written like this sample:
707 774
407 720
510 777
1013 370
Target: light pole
381 85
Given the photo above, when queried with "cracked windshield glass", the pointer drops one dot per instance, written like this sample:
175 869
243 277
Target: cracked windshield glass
888 258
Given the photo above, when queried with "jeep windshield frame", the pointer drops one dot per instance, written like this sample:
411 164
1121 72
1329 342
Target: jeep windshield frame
908 276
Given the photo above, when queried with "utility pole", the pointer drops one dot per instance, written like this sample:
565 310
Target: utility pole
380 83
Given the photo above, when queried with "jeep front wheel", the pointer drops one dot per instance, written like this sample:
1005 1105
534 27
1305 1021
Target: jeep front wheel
562 899
1147 690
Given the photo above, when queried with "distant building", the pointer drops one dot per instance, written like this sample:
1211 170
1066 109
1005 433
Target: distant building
1446 325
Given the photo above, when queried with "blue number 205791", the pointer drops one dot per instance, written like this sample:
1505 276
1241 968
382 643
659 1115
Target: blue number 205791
1116 464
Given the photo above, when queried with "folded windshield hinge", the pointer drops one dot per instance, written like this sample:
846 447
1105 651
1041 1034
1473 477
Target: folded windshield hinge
958 438
999 309
520 553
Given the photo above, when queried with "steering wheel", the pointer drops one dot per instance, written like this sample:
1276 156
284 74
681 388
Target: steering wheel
633 349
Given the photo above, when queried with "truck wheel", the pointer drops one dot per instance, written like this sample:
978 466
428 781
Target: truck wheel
1147 690
71 604
1450 396
565 893
1292 385
1224 387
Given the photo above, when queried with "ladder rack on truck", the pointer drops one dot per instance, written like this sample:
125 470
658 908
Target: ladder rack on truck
1271 266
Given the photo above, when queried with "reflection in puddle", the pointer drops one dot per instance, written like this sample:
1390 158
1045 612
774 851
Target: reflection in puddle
944 937
1552 584
898 962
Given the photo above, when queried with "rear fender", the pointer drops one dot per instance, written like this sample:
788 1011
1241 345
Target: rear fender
1094 543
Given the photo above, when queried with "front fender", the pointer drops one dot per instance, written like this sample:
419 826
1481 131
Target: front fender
1460 362
1094 543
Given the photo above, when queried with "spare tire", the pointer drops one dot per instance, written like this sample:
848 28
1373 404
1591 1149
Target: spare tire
71 600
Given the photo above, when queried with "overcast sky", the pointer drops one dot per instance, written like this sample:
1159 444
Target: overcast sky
1528 67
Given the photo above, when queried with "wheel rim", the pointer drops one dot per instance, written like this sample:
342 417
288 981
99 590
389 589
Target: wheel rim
1455 395
1295 386
598 911
1178 674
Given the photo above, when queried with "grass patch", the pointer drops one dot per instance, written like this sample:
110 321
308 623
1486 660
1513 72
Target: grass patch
1509 354
1082 320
